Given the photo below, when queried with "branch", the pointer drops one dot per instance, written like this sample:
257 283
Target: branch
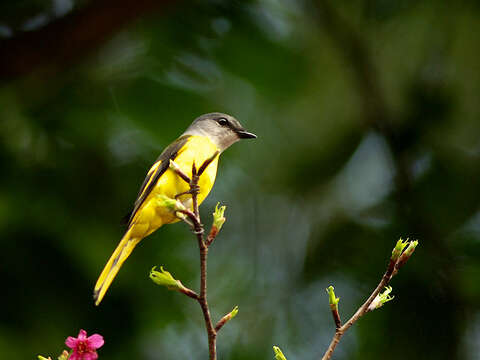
334 307
195 223
378 115
226 318
176 168
402 251
400 255
207 162
197 228
68 39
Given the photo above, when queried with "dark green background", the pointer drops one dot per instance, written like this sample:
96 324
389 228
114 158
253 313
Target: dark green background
367 115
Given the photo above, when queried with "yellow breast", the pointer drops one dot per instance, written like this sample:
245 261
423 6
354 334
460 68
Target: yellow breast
196 150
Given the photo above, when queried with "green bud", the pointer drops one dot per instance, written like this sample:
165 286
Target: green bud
40 357
164 278
64 355
331 296
381 299
169 203
218 218
278 353
406 254
397 250
234 312
411 248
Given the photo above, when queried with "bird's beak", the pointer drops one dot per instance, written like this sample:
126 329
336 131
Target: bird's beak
243 134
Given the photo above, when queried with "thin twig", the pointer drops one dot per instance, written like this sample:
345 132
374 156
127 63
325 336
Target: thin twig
336 317
220 323
176 168
189 293
194 220
226 319
340 331
194 191
211 236
207 162
69 39
397 260
197 227
212 334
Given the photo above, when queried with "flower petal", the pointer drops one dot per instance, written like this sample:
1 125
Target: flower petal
82 335
71 342
95 341
74 356
90 356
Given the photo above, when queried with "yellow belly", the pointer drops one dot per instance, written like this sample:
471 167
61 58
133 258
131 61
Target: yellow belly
151 216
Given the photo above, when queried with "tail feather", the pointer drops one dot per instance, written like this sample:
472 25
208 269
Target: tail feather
121 253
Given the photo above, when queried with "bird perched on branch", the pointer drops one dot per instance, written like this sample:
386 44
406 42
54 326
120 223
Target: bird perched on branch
208 135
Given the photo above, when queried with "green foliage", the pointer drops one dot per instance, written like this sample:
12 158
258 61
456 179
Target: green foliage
316 199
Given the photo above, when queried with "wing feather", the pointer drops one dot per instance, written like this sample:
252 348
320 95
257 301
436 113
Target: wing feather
159 167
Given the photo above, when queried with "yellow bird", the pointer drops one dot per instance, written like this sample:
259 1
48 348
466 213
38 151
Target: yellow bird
207 134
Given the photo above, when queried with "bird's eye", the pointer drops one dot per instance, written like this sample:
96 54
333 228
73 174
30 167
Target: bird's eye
222 121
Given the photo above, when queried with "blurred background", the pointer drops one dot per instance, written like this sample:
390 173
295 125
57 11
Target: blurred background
367 115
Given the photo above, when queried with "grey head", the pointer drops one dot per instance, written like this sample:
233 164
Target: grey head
224 130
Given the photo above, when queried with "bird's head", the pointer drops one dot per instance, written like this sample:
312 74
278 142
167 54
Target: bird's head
224 130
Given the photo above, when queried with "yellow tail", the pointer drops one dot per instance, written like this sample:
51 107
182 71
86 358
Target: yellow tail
121 253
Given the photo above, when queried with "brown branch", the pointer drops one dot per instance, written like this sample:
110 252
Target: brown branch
378 115
221 322
176 168
207 162
197 228
189 292
194 190
226 319
340 331
212 334
68 39
195 222
336 316
397 260
211 235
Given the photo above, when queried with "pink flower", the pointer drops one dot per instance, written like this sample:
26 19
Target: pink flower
84 348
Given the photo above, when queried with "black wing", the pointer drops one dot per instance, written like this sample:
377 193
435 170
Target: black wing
170 153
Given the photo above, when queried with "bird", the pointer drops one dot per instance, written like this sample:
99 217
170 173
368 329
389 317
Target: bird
207 135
